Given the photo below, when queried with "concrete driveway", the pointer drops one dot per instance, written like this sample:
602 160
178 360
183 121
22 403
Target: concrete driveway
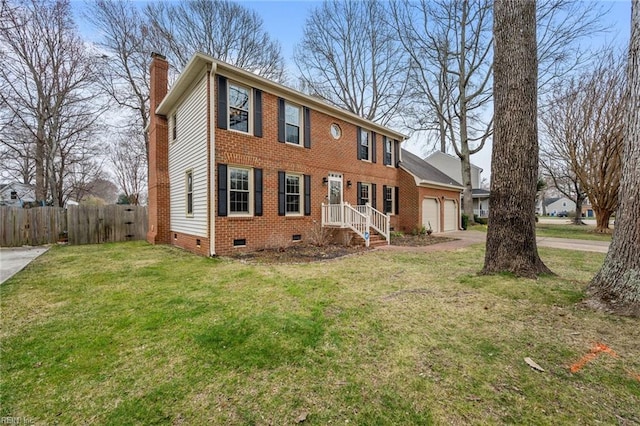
15 259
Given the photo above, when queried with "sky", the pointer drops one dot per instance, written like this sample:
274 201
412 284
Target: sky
285 20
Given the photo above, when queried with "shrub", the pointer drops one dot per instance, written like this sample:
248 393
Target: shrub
465 221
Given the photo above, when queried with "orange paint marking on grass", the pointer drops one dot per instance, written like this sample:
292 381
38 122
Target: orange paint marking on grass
595 351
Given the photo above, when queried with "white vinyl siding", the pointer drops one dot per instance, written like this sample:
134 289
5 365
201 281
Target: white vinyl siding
189 152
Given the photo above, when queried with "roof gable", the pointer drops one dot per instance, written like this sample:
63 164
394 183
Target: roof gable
424 171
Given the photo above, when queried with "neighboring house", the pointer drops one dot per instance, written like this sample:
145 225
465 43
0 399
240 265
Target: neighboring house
430 197
587 210
451 166
238 162
556 206
16 194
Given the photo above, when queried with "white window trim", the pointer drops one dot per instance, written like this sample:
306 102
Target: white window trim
300 143
368 185
249 108
392 210
249 170
390 142
368 133
300 177
186 193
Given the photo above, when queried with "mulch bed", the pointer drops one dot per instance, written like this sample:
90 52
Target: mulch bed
418 240
304 253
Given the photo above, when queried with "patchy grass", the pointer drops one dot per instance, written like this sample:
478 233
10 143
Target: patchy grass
557 230
579 232
137 334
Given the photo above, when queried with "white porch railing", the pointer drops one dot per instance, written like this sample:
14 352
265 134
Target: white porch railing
379 221
360 219
481 212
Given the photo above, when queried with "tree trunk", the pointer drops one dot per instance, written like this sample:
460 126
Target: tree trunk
511 238
578 219
617 284
602 219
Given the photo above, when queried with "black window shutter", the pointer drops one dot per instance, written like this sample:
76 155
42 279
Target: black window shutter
307 195
373 196
257 192
373 147
222 102
359 189
397 200
358 140
257 113
385 159
396 152
307 127
281 193
384 199
280 120
222 189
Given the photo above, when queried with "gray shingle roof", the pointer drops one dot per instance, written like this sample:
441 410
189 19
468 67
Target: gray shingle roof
425 171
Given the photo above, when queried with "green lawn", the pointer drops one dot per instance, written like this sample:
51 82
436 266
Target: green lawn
560 231
136 334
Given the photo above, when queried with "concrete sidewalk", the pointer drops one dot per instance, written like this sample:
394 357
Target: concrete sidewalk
467 238
15 259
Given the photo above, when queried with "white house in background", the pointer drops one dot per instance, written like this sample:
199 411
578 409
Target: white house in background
452 167
15 194
556 206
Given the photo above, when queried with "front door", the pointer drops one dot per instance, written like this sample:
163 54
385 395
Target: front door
335 198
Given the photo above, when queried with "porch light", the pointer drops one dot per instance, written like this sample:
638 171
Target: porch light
348 184
324 180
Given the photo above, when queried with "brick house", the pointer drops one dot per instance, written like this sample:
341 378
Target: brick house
238 162
430 197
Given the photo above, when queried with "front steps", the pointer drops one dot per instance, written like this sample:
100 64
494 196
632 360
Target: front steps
375 240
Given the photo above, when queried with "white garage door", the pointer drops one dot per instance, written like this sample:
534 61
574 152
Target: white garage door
450 215
431 214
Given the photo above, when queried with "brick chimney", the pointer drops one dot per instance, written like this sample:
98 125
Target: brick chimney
159 232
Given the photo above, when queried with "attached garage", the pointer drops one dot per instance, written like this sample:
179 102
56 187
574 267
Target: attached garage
431 214
450 215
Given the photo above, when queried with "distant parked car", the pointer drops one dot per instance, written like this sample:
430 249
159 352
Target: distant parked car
563 214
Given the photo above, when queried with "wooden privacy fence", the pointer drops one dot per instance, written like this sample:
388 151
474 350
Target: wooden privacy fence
77 224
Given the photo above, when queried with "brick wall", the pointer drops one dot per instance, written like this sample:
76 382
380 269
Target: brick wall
326 155
158 156
411 206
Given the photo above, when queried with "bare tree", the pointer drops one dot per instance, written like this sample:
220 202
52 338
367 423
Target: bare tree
450 44
127 44
617 284
559 172
223 29
351 58
128 158
511 238
583 125
47 81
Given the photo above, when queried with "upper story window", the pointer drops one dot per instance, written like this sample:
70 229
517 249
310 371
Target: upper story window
14 195
239 191
189 192
364 145
292 115
174 123
294 124
388 151
239 101
293 194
